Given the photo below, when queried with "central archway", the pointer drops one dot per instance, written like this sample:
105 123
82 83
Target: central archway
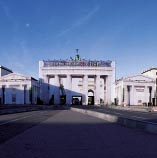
90 97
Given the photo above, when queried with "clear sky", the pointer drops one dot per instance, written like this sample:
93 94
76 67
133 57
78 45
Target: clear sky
120 30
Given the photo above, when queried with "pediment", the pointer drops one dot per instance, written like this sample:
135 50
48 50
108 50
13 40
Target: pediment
15 76
139 78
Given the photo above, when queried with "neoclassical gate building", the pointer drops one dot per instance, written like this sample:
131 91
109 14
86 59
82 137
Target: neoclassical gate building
76 81
135 90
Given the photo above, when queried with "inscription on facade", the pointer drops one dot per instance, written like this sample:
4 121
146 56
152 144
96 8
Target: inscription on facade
86 63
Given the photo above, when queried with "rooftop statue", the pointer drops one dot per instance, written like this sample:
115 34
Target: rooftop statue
77 57
77 61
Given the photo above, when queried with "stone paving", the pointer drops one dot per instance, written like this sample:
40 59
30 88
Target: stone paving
73 135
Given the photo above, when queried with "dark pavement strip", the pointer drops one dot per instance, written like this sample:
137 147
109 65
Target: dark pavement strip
16 125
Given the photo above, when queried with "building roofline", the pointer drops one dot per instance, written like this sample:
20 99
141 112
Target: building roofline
138 75
2 67
34 79
125 78
152 68
14 73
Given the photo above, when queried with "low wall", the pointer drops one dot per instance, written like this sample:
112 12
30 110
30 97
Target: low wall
127 122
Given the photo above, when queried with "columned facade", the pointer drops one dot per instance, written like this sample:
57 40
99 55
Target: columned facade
80 77
18 89
135 90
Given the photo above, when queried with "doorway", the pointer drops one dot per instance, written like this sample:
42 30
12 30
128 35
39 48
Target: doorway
90 100
77 100
90 97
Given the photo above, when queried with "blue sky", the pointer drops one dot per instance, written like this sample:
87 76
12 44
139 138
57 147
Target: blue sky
120 30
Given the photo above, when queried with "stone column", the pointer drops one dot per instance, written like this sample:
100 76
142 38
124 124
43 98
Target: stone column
97 92
24 94
85 90
128 93
104 88
150 95
68 90
133 95
57 90
145 100
108 90
44 90
3 94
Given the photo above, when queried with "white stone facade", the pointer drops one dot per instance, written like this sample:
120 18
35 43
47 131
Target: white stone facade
135 90
18 89
76 78
152 72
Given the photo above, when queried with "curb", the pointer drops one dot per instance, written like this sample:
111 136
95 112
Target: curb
19 110
127 122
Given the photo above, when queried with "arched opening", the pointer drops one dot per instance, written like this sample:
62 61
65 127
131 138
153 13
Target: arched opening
90 97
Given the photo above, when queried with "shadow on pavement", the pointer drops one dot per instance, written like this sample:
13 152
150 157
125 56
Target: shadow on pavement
68 134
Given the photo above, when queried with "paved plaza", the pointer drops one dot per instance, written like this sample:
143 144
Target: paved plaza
68 134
